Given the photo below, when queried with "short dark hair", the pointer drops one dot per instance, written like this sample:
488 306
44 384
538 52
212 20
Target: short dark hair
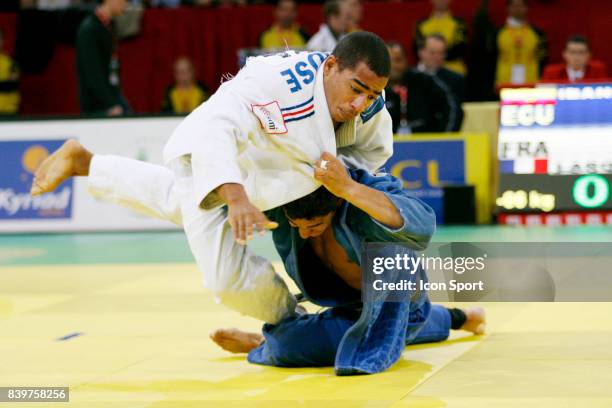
578 39
316 204
363 46
436 36
331 8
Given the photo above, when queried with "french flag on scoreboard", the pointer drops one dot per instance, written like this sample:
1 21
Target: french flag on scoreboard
524 166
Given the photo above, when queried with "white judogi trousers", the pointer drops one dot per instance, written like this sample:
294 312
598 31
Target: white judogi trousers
239 279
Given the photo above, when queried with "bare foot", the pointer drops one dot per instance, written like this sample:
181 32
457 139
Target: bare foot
236 341
476 320
72 159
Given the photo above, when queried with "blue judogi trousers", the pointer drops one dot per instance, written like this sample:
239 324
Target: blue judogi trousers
312 340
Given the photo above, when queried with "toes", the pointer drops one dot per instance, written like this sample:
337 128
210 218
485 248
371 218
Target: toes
220 335
216 336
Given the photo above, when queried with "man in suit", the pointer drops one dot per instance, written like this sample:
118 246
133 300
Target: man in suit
97 60
578 64
453 29
415 100
432 60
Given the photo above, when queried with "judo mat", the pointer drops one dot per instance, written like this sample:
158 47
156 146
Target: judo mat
122 319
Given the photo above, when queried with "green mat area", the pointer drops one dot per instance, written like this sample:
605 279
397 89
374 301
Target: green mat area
171 246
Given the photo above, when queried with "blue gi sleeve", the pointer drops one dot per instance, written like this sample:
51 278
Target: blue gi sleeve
419 219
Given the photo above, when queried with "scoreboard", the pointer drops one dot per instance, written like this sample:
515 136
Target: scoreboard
540 192
555 151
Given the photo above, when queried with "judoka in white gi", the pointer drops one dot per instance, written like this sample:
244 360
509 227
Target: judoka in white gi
249 148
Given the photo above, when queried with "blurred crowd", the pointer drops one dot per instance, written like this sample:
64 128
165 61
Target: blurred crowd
454 61
13 5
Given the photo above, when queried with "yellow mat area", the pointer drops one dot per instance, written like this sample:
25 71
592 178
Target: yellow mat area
140 339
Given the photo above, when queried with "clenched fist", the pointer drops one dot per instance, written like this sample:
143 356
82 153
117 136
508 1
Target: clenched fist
333 175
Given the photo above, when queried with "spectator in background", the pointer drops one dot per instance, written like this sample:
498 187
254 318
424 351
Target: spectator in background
432 53
482 56
285 32
451 28
336 25
521 47
578 64
354 13
415 101
9 82
186 93
98 62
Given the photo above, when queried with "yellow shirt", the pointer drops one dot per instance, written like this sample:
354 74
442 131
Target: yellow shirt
452 30
184 100
518 55
276 37
9 100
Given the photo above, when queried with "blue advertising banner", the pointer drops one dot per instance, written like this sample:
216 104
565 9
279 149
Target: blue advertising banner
427 166
18 162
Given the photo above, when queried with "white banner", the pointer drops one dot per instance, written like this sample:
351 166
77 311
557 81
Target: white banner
587 144
23 144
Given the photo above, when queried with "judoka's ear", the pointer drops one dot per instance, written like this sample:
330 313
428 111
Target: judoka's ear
330 63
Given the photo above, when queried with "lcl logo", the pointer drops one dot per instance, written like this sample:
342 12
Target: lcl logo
429 169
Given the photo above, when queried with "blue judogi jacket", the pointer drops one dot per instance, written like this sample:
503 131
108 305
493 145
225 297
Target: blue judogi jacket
379 335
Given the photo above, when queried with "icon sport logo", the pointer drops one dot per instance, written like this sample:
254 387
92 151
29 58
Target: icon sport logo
18 162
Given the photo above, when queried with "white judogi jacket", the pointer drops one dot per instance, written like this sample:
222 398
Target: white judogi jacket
267 126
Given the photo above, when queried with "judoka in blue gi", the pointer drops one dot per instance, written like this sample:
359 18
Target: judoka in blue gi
319 239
